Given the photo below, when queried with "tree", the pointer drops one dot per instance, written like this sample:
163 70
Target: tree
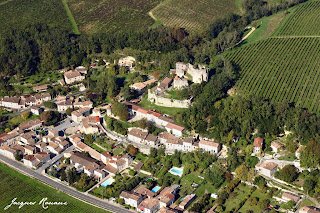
82 183
309 185
63 175
253 201
310 155
50 105
263 204
242 172
288 173
120 110
49 117
25 115
132 150
251 161
69 111
291 144
18 157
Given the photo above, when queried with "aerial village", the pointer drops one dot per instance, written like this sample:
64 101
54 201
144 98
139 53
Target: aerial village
82 151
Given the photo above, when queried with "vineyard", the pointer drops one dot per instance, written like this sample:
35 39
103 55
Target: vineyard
281 69
94 16
302 21
193 15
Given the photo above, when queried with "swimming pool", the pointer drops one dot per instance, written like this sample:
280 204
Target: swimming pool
155 189
176 171
107 182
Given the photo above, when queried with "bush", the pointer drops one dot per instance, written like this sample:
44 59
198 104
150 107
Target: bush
132 173
50 105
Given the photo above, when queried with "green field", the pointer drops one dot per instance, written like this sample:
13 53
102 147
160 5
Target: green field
16 185
111 15
19 13
193 15
304 21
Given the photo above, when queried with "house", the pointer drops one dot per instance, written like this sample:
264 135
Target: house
41 88
8 151
175 129
127 62
131 198
83 104
40 98
267 168
257 145
92 152
105 156
30 125
143 190
36 110
12 102
209 146
91 124
167 196
151 140
287 196
276 146
73 76
138 166
180 83
29 149
64 105
187 201
30 161
165 84
8 138
76 116
148 206
309 209
139 87
137 135
99 174
82 70
54 148
96 112
42 157
188 144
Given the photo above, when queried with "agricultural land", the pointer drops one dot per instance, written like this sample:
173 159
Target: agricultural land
285 66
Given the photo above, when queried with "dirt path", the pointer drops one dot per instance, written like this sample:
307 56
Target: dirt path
152 16
244 38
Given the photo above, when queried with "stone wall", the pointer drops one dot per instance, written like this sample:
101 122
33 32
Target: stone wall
166 102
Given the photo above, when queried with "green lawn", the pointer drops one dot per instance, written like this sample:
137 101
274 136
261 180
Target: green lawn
241 192
247 207
118 150
73 22
288 157
16 185
145 103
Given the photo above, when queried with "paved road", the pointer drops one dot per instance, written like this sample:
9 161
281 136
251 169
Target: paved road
67 123
54 159
17 113
66 189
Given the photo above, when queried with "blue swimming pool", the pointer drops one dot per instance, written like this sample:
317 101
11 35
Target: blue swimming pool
107 183
155 189
176 171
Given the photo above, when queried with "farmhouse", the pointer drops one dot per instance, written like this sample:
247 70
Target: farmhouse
139 87
187 201
12 102
148 206
137 135
143 190
82 70
309 209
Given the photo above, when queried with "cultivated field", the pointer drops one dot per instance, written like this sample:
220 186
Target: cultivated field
14 184
302 21
19 13
111 15
193 15
281 69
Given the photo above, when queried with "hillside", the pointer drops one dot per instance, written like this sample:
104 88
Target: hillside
193 15
285 66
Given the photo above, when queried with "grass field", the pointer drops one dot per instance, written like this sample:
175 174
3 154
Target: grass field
193 15
302 21
111 15
19 13
14 184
